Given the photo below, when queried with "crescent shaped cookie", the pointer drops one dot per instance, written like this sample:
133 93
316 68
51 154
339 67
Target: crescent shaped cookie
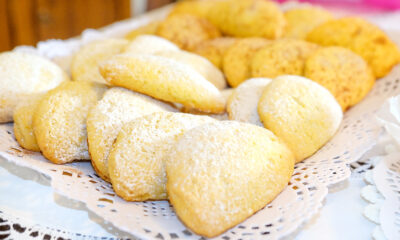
187 31
164 79
136 162
243 102
84 65
363 38
300 21
301 112
236 60
281 57
345 74
23 123
198 63
149 44
249 18
117 107
221 173
214 49
59 121
22 76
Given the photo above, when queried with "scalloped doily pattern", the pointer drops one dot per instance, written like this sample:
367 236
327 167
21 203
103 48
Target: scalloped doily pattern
296 204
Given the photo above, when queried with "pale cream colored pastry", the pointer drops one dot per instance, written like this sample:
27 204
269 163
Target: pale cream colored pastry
150 44
148 29
198 63
301 112
221 173
59 121
136 162
243 102
84 65
106 118
164 79
23 125
23 76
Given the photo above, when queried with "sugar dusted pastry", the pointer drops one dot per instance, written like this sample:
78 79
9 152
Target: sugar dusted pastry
236 60
214 49
149 44
59 121
137 159
164 79
363 38
300 21
221 173
187 31
300 112
243 102
284 56
84 65
345 74
198 63
23 76
106 118
23 123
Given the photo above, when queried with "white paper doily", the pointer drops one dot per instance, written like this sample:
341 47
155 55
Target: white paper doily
295 205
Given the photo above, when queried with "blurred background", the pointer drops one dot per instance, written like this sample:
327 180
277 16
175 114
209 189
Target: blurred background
25 22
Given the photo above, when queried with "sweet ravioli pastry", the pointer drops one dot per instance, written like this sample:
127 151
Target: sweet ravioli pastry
149 44
214 49
84 65
23 123
164 79
345 74
106 118
281 57
243 102
198 63
301 112
187 31
59 121
23 76
137 159
148 29
237 59
363 38
219 174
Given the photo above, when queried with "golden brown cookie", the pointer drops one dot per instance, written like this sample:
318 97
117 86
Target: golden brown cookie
164 79
363 38
243 102
198 63
23 126
345 74
106 118
23 76
236 60
214 49
148 29
248 18
300 21
137 159
59 121
221 173
301 112
187 31
199 8
84 65
284 56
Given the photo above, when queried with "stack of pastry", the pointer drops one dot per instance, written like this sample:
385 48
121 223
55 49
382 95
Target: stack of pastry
151 111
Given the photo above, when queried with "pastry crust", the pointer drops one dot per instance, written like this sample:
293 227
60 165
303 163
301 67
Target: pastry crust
149 44
23 76
221 173
137 159
59 122
214 49
148 29
106 118
301 112
345 74
164 79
